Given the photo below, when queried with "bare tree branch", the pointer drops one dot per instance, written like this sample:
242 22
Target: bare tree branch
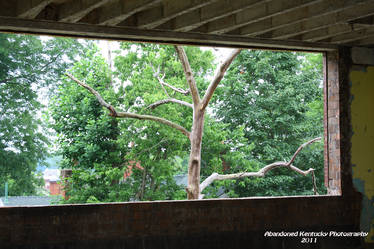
176 89
156 75
302 147
154 118
94 92
116 114
261 173
171 100
163 83
218 77
189 76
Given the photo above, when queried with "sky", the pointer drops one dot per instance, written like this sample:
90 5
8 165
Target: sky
219 52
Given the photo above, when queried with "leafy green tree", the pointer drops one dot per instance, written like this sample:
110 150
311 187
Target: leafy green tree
27 64
98 173
88 143
149 68
78 119
154 91
276 96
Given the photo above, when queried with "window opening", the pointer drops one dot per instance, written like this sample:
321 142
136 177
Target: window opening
257 108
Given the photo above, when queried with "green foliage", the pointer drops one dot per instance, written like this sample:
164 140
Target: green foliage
87 136
27 64
100 153
276 97
156 145
268 105
160 149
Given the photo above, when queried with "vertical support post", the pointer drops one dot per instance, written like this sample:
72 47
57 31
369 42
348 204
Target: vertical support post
333 123
325 123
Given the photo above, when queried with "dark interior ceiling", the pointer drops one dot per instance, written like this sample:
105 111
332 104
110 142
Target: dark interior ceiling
273 23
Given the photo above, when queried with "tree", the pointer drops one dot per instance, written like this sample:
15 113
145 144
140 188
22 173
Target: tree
147 68
86 140
198 106
27 64
101 149
277 97
159 155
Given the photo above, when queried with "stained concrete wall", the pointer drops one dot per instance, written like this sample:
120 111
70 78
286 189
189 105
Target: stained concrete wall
362 116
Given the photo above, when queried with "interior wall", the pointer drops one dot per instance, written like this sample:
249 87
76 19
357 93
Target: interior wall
362 150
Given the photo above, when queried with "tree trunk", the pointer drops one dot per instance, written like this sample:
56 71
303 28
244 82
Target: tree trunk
193 188
199 106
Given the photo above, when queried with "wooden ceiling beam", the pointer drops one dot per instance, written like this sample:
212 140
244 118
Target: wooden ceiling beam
368 41
75 10
351 36
328 32
342 12
253 15
367 21
168 10
8 24
295 17
31 8
117 11
214 11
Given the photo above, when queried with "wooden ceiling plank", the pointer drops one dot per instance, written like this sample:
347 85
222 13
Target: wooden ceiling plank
169 9
75 10
369 21
296 17
253 15
116 12
8 24
352 36
214 11
368 41
328 32
31 8
347 11
297 27
183 22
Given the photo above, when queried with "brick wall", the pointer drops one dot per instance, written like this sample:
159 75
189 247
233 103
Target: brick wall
332 125
55 188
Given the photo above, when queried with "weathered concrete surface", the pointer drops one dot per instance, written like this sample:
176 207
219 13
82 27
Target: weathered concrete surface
363 56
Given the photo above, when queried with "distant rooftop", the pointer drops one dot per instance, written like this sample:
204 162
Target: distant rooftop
16 201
